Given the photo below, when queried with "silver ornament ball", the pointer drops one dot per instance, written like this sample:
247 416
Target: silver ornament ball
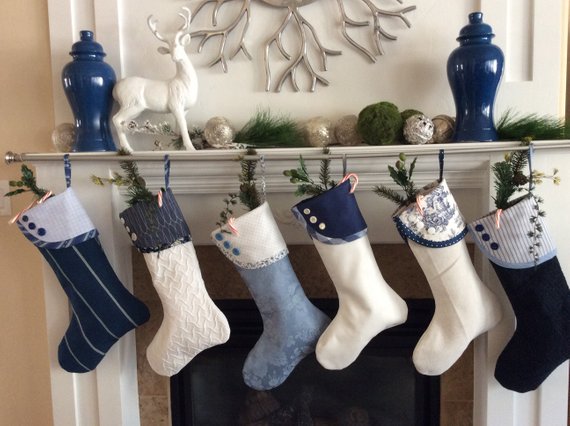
318 132
345 131
418 129
219 132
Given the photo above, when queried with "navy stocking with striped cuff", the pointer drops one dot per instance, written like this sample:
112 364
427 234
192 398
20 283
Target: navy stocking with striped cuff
537 290
102 309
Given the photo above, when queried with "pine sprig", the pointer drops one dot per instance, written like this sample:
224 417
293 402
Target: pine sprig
265 130
513 126
135 183
306 186
403 178
27 183
248 194
227 212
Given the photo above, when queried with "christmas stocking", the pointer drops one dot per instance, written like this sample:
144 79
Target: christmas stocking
367 304
536 287
192 322
464 306
102 310
291 323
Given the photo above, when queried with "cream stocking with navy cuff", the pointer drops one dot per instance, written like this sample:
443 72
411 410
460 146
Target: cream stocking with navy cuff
464 307
367 304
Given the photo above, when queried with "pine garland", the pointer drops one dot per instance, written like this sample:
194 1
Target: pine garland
248 194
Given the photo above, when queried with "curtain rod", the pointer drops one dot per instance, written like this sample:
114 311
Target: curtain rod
336 152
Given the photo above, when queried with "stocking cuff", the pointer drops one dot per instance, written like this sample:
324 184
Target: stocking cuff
153 228
332 217
59 222
506 240
434 220
255 242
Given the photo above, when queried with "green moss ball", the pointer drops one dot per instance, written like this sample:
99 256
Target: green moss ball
380 124
407 113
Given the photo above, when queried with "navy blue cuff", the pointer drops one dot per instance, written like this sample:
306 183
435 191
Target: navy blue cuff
332 217
153 228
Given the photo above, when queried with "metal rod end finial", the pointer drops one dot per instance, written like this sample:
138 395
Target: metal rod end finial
12 157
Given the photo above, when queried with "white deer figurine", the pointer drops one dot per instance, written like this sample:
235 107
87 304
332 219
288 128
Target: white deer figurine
137 94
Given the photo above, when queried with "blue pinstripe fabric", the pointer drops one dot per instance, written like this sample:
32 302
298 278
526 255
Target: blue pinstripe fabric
103 310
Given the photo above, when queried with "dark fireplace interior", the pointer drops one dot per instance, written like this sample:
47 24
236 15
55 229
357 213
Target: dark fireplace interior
381 382
380 388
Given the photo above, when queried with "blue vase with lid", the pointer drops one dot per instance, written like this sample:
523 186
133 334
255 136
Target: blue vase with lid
88 84
474 71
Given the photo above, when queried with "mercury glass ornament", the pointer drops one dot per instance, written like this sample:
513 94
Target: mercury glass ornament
318 132
63 137
444 126
345 131
418 129
218 132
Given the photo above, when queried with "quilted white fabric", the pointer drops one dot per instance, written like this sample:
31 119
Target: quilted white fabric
192 322
258 242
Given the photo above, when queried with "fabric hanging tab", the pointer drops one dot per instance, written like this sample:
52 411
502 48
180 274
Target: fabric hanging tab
67 170
530 157
344 164
166 171
441 157
263 184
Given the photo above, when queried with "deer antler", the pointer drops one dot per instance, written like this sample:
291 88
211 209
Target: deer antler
187 19
152 25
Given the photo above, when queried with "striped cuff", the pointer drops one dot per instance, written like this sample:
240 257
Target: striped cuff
509 244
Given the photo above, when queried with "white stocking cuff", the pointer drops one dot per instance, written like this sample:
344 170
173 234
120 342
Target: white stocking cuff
258 241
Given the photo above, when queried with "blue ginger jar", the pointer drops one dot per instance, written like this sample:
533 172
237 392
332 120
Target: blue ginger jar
474 71
88 84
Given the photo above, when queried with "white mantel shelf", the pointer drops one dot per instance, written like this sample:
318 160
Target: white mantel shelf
109 395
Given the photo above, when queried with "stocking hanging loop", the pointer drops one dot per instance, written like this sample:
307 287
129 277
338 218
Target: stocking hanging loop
344 164
166 171
441 158
263 183
530 158
67 170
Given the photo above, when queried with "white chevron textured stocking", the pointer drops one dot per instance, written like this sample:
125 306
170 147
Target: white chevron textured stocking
192 322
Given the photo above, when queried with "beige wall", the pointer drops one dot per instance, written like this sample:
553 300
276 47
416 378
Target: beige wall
26 120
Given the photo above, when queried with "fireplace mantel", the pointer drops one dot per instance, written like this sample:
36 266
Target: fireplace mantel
108 396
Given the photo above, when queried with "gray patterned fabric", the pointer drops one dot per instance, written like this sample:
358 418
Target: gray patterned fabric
291 324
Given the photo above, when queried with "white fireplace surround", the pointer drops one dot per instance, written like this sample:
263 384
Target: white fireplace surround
108 396
531 33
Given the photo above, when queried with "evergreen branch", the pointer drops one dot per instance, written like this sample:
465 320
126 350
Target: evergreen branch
27 183
512 126
264 130
305 184
403 178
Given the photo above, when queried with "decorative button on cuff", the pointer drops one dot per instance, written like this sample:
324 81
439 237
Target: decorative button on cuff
41 232
494 246
227 244
313 219
322 226
32 226
307 211
219 236
479 228
485 237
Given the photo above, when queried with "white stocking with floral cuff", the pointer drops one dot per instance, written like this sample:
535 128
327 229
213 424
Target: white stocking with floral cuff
464 307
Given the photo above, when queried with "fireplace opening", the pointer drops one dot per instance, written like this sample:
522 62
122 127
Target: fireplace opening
381 387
